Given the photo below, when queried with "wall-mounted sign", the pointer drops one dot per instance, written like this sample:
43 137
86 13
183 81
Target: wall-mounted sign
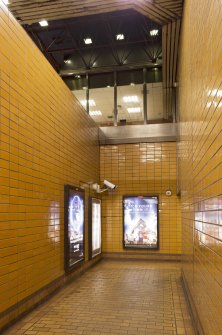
74 226
140 222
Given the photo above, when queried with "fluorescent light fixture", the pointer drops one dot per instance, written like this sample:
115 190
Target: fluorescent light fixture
91 103
132 98
43 23
88 40
133 110
95 113
120 37
154 32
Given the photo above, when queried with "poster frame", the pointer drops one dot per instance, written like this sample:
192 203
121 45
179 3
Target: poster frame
90 226
123 223
80 191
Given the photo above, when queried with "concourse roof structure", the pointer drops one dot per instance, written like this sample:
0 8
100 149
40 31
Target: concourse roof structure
163 13
94 36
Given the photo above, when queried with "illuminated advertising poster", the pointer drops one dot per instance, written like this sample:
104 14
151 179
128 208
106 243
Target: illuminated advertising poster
140 222
94 227
74 226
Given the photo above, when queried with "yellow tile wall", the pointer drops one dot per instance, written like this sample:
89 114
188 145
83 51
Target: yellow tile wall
145 168
46 141
200 96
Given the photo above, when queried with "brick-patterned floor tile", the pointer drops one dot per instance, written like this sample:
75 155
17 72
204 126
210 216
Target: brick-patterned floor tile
127 298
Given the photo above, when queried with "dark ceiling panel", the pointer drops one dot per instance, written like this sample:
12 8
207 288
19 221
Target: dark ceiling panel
63 42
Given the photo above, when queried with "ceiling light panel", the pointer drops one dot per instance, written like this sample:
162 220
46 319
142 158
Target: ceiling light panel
120 37
132 98
88 40
154 32
43 23
134 110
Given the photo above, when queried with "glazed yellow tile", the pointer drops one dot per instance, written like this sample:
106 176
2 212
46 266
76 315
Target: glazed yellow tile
140 176
200 155
33 168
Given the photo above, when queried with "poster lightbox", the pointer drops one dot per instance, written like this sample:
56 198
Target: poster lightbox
140 222
74 226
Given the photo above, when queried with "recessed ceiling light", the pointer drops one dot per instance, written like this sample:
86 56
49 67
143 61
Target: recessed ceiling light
120 37
108 86
132 98
67 61
88 40
133 110
154 32
43 23
95 113
77 76
91 102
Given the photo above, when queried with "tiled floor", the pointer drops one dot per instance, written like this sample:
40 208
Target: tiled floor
127 297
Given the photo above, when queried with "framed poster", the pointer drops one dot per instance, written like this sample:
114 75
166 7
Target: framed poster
140 222
74 226
95 228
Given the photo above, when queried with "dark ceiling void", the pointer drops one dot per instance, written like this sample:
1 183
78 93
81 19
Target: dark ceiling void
119 40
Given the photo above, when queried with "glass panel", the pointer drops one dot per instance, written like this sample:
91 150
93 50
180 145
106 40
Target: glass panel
154 75
130 77
129 100
101 105
76 83
81 96
78 86
130 104
101 80
155 101
101 98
